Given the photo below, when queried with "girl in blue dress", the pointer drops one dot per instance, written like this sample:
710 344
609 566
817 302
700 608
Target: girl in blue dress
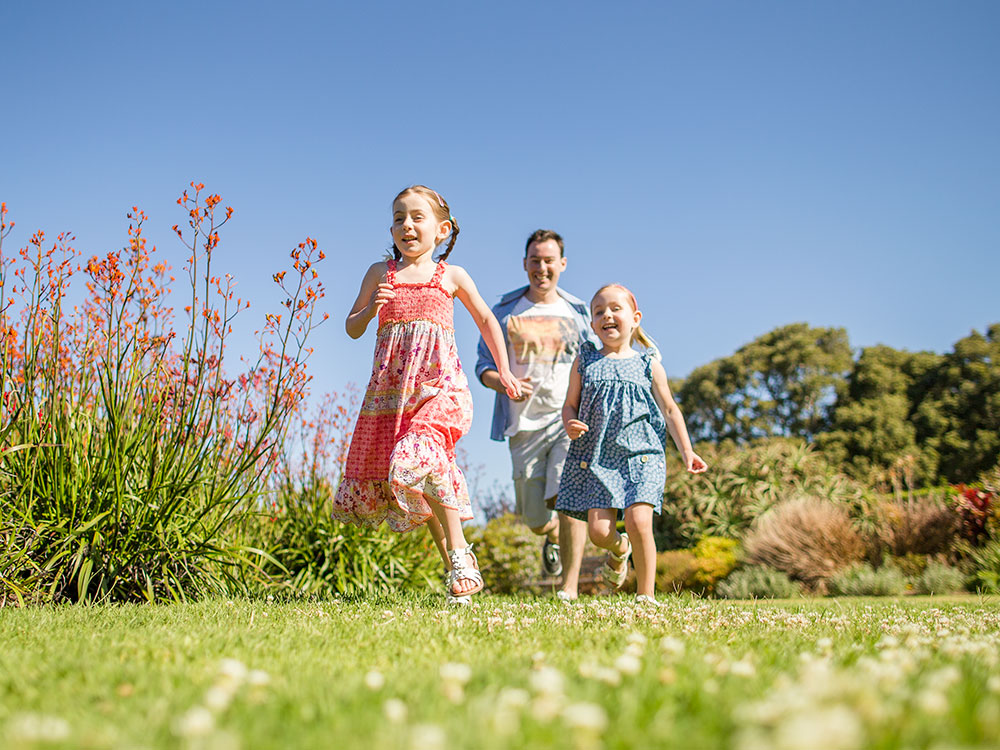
617 413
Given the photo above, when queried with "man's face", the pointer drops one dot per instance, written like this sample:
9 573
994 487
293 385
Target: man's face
544 264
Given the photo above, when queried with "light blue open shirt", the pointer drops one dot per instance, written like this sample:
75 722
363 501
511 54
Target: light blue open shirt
502 310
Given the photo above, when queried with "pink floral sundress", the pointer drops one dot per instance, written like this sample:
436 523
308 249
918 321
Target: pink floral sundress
416 407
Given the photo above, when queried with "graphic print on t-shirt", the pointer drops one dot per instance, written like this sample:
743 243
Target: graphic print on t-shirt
537 339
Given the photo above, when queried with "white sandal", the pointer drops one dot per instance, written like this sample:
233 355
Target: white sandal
460 571
617 577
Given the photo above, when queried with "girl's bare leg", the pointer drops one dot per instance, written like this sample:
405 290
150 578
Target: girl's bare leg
639 525
602 524
437 534
572 538
451 523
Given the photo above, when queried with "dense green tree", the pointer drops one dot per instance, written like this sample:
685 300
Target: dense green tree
957 417
780 384
872 433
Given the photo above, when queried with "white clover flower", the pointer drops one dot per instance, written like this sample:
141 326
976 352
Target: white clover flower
668 676
628 664
218 697
513 698
887 641
933 702
258 678
394 711
743 668
588 717
672 646
636 638
635 649
547 681
546 706
608 676
374 680
824 644
197 722
428 737
38 728
832 728
458 674
945 677
233 669
993 684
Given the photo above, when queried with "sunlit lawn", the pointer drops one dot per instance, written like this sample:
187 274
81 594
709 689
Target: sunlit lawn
504 673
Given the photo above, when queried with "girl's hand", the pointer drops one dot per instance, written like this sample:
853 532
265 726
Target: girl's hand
510 384
526 389
575 428
694 463
382 294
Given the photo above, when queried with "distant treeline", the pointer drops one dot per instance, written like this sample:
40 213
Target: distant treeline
884 415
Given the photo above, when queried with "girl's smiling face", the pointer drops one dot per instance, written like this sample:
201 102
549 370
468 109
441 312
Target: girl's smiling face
416 230
613 318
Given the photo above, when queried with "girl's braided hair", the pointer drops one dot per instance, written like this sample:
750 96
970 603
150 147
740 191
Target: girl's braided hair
441 213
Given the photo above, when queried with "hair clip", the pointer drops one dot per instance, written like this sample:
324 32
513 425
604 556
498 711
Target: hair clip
440 199
451 219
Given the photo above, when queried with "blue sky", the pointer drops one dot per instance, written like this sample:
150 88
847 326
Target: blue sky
739 165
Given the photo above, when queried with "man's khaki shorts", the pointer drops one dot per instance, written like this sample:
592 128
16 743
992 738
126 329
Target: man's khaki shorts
538 457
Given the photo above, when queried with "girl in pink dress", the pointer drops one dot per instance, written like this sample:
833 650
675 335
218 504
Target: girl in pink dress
401 465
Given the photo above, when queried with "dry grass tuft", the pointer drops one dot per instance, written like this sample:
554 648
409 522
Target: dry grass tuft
806 538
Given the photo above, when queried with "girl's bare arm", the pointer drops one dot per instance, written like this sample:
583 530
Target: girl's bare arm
675 420
486 322
571 406
374 293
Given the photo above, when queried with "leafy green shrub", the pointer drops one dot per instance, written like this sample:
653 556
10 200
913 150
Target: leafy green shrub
743 484
674 569
807 538
715 558
911 565
508 553
939 578
310 554
863 580
758 582
986 566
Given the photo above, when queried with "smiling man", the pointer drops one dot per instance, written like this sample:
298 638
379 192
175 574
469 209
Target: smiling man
543 327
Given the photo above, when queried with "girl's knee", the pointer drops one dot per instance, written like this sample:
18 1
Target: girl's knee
639 518
599 533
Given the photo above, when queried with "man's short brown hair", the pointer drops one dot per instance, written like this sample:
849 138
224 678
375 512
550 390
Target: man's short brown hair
541 235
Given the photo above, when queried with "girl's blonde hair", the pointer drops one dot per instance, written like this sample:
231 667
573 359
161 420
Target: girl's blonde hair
441 213
638 334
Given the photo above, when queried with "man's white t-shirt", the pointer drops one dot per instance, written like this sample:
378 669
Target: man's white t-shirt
542 342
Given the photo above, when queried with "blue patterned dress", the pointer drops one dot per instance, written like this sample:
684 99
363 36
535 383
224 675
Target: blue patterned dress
619 460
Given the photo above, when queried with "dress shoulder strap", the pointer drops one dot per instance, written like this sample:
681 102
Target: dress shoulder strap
587 353
390 275
438 273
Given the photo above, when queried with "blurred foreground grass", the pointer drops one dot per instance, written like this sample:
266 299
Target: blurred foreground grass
504 673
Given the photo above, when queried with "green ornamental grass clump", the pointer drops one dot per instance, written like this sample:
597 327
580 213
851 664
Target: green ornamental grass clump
864 580
758 582
938 578
128 452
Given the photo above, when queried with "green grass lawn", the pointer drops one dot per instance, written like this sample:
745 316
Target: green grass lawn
505 673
